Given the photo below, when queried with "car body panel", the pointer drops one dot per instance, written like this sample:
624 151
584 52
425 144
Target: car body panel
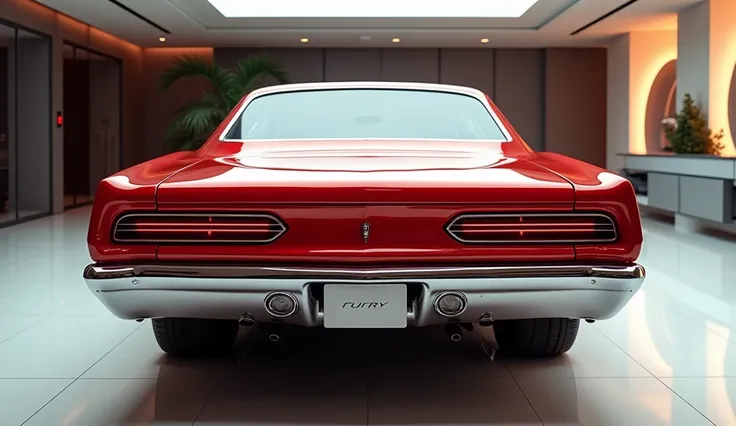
326 189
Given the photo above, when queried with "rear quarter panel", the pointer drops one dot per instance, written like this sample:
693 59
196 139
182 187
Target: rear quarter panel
130 189
600 190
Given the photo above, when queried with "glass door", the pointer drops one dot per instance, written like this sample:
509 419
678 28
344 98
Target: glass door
76 129
25 125
92 124
104 119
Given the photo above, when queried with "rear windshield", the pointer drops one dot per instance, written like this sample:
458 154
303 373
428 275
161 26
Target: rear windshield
366 113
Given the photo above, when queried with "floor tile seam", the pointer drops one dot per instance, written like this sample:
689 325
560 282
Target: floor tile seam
625 352
77 378
206 402
565 377
108 352
49 401
687 402
518 386
656 377
26 328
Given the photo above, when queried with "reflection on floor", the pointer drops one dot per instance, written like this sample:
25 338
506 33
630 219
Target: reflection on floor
668 359
11 216
74 200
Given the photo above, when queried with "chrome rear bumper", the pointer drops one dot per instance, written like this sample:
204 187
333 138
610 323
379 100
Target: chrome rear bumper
228 292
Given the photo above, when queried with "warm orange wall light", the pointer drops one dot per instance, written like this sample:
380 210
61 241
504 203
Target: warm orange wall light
649 53
722 65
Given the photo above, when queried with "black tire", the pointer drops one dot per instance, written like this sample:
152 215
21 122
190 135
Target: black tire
193 337
540 337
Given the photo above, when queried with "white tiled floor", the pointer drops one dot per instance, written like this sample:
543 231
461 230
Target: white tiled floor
668 359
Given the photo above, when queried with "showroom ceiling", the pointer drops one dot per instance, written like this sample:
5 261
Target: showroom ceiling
546 23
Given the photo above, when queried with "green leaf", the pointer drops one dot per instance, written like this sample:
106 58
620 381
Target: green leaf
192 66
252 73
177 140
200 118
197 121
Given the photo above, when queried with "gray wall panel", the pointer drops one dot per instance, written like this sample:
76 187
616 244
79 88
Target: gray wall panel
693 62
692 165
663 191
415 65
520 92
555 98
617 102
468 67
706 198
352 64
302 65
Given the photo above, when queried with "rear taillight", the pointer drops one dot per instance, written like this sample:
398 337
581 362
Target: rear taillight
532 228
197 228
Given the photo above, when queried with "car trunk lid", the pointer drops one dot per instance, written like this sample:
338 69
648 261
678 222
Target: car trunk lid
366 172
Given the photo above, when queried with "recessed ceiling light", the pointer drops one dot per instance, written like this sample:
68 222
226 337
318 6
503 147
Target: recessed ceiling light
304 40
396 39
162 39
484 40
372 9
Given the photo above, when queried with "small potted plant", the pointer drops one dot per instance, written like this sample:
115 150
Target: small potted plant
688 131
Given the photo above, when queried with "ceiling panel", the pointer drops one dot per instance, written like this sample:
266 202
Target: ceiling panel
192 23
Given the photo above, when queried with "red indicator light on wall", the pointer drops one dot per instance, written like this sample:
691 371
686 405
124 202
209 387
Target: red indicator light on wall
59 119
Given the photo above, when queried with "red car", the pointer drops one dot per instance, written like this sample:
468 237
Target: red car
365 205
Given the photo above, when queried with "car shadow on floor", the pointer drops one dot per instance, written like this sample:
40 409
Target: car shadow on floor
351 377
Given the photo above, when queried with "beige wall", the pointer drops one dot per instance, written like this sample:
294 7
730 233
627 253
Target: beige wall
707 49
634 62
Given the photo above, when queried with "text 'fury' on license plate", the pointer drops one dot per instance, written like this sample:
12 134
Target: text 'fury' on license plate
365 306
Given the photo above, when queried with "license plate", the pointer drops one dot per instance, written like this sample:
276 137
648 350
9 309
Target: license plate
365 306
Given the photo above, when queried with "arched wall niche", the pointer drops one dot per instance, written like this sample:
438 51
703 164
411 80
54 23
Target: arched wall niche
662 102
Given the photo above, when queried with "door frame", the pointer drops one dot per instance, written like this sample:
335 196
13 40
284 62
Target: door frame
121 127
16 27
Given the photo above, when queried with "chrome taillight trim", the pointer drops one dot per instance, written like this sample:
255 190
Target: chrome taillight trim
280 228
613 228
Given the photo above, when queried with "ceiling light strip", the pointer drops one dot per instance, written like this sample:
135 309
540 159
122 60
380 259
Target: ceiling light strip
602 17
139 16
373 9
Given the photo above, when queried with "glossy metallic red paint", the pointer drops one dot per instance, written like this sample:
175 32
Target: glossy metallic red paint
407 190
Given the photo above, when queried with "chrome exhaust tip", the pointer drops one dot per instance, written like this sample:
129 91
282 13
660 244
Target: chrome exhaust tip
281 305
454 332
450 304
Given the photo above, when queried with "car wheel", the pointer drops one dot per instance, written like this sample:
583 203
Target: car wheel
188 337
539 337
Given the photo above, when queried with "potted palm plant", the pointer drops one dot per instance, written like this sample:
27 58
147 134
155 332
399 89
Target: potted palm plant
196 122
